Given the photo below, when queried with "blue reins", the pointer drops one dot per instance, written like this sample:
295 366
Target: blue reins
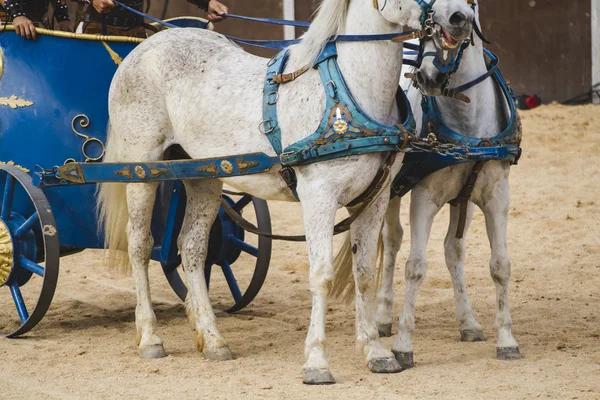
277 44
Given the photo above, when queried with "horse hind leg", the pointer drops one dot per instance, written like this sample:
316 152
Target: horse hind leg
140 200
203 202
364 232
392 234
470 329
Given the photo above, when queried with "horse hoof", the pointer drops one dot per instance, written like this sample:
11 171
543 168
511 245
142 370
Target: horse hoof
472 335
384 330
219 354
384 366
315 376
152 351
508 353
405 359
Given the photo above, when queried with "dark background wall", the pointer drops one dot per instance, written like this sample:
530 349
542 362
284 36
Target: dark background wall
544 45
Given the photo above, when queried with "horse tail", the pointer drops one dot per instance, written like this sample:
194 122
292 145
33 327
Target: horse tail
113 216
343 281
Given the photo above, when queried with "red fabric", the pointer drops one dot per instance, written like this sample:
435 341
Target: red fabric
531 102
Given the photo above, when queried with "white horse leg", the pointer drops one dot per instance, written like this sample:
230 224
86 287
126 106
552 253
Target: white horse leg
470 330
496 216
365 233
319 217
422 212
392 233
140 200
203 202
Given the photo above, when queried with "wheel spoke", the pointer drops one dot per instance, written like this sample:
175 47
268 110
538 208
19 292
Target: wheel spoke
233 286
245 247
19 303
27 225
243 202
31 266
9 188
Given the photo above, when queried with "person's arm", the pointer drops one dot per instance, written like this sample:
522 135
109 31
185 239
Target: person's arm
23 25
213 7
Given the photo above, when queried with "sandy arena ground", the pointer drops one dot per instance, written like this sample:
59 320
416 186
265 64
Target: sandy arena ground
85 347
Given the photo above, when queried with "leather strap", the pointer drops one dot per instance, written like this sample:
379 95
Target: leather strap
463 199
285 78
367 198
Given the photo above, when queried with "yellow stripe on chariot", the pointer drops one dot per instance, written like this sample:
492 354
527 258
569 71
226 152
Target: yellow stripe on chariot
102 38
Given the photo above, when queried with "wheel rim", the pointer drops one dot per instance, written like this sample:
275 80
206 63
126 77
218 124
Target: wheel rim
27 238
231 244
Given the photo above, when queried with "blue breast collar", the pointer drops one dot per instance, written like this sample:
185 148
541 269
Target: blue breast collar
419 163
503 146
345 128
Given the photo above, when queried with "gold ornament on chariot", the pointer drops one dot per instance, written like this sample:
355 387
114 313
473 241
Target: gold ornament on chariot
227 167
6 253
140 172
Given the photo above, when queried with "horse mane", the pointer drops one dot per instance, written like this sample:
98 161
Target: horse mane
328 22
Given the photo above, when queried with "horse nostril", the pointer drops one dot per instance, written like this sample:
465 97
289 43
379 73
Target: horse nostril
440 79
458 19
420 78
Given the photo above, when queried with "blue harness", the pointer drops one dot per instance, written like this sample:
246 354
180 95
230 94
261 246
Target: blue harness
446 147
345 128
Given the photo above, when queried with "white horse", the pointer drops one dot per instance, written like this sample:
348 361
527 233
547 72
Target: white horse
196 89
485 116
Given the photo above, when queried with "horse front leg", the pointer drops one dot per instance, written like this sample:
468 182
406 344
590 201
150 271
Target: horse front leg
392 234
422 212
319 207
140 199
364 236
495 210
470 330
203 202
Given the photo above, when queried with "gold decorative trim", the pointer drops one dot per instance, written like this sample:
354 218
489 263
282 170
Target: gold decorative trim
82 36
71 172
113 54
227 167
6 253
140 172
125 172
96 38
14 102
12 164
84 122
156 172
244 166
210 168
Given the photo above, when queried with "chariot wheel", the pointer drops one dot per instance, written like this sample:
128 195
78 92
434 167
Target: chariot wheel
28 239
226 244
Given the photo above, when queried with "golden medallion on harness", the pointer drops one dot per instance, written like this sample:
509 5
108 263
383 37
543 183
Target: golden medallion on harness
6 253
339 126
227 167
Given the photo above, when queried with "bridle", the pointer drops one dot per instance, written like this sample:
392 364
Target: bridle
447 61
